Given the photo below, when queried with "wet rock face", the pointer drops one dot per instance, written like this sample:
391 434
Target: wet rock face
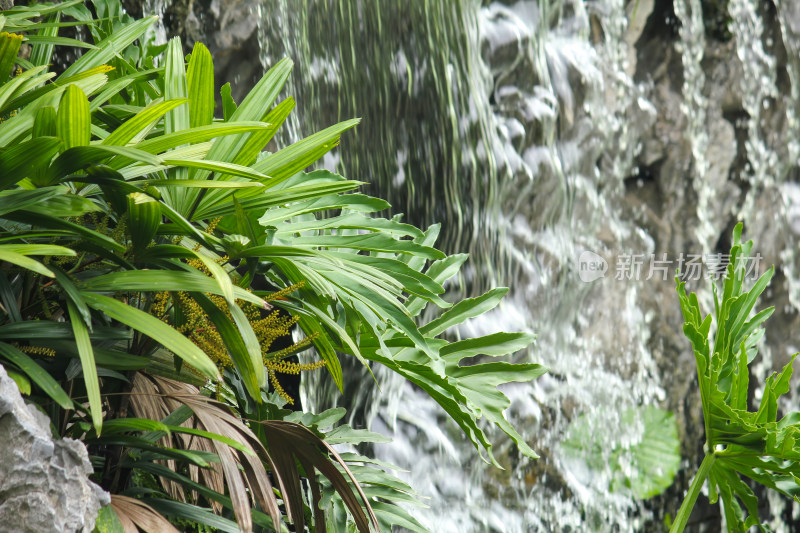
685 183
44 483
229 28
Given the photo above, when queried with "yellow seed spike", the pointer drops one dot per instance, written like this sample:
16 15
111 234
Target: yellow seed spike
277 386
296 347
284 292
288 367
212 225
38 350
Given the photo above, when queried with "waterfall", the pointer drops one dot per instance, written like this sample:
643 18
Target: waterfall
511 125
536 131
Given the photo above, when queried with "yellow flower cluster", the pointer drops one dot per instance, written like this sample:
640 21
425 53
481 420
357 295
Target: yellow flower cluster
37 350
189 318
195 323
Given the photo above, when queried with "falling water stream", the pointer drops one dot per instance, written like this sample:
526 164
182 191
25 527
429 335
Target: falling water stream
535 131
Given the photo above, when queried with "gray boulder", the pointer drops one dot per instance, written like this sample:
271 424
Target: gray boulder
44 484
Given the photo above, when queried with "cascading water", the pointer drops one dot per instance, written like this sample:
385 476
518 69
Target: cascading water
492 120
535 131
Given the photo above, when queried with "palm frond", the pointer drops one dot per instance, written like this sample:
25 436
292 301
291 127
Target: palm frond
135 514
244 473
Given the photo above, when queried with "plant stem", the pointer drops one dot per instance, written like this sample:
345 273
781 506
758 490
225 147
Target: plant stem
691 497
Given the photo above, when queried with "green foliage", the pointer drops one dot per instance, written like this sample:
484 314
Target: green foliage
122 198
644 468
739 442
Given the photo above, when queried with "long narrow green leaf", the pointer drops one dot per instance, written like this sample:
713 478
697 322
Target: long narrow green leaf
213 436
333 326
13 128
222 203
8 299
45 123
144 218
9 48
162 471
7 254
219 167
254 107
73 119
114 87
194 514
74 295
197 135
301 154
200 82
87 363
495 344
49 330
245 329
20 161
18 83
37 374
205 184
397 272
190 229
175 87
45 9
110 47
164 280
257 141
39 249
312 328
177 119
42 53
61 41
236 346
351 221
124 425
50 222
440 271
228 103
80 157
146 117
49 94
155 329
378 242
352 202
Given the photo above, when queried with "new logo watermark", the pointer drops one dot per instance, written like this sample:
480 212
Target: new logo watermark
591 266
645 267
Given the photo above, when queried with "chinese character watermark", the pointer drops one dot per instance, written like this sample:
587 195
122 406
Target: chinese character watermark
643 267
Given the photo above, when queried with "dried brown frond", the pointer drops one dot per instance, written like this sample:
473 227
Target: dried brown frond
148 400
290 443
133 513
154 394
244 473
